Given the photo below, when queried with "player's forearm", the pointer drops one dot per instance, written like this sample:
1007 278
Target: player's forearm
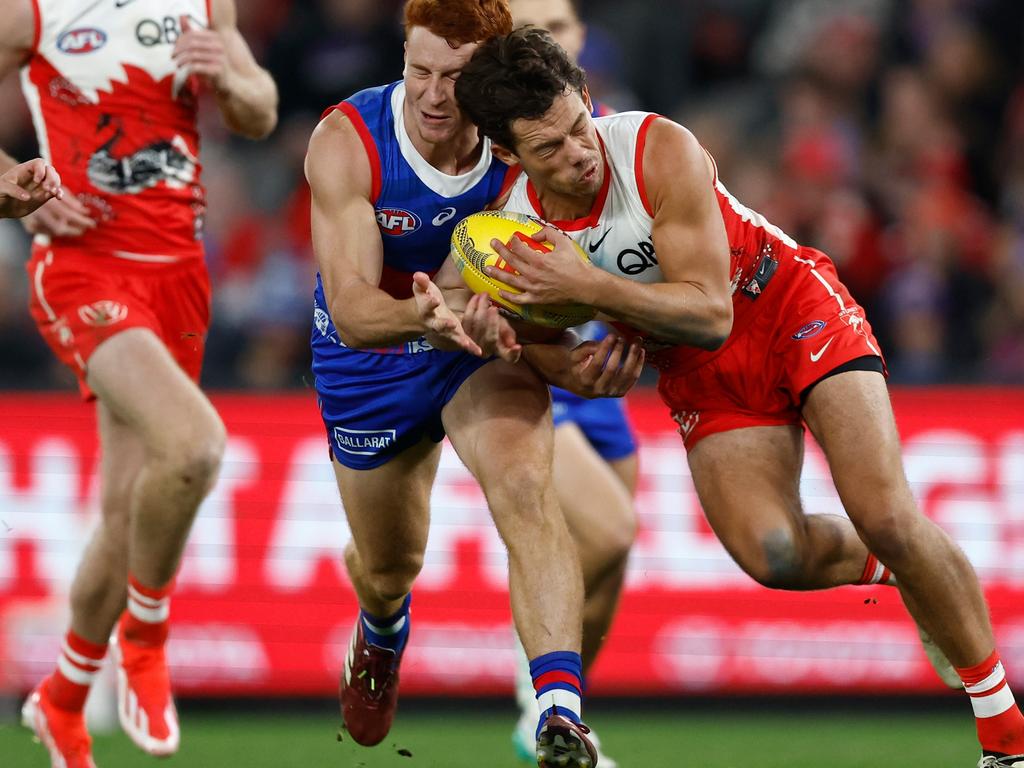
677 313
248 104
368 318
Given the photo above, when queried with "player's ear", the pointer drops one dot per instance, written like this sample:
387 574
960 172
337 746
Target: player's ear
586 99
505 155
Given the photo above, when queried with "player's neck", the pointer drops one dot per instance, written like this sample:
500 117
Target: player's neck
453 156
556 206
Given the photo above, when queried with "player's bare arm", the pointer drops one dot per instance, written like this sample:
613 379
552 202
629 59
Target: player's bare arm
694 305
27 186
349 253
64 216
246 93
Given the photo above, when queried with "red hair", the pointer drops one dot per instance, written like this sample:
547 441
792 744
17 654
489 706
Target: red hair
460 21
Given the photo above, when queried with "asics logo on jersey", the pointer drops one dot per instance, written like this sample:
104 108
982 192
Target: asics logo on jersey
397 222
634 261
816 356
82 40
597 244
446 214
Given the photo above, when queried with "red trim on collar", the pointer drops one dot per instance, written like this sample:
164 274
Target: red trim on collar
591 219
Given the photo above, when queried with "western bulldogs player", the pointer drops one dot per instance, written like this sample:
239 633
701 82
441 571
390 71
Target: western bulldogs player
756 335
392 169
595 454
120 293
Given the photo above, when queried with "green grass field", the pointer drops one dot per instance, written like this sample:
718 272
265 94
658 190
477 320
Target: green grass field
649 738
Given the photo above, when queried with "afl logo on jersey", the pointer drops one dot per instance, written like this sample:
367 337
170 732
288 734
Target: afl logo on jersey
82 40
397 222
810 330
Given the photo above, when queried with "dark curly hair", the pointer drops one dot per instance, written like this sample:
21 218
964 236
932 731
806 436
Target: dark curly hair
512 77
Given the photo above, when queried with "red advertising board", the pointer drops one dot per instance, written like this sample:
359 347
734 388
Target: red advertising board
264 607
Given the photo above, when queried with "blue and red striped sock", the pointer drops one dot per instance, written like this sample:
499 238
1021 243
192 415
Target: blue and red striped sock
558 681
390 632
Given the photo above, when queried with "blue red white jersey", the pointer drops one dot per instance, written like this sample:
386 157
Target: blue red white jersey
417 206
117 119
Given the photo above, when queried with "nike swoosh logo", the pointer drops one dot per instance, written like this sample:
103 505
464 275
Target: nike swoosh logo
594 246
122 3
816 356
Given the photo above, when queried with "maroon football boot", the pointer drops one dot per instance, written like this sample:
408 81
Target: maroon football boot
564 744
369 689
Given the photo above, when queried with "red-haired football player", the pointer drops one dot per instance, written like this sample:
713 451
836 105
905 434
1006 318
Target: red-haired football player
392 169
754 337
121 295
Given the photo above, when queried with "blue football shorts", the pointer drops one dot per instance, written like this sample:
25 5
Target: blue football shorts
602 420
376 404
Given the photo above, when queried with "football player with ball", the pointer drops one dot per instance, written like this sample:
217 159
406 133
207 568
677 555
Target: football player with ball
754 337
392 170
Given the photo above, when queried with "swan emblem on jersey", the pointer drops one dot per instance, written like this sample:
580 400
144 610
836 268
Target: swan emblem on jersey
168 161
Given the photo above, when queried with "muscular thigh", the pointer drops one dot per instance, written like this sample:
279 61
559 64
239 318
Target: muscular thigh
748 484
851 418
388 507
499 422
140 383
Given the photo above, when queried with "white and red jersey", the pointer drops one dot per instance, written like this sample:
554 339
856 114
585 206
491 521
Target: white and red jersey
118 121
617 234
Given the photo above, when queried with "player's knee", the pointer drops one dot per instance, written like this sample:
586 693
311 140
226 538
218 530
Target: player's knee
779 564
194 460
393 580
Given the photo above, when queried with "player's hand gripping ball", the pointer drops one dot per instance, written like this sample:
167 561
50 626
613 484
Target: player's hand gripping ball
471 251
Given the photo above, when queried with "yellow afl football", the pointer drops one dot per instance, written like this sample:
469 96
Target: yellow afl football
471 251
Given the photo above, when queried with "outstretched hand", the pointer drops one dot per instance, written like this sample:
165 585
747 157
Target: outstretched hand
493 333
443 329
27 186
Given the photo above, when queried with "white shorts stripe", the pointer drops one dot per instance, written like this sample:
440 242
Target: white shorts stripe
37 283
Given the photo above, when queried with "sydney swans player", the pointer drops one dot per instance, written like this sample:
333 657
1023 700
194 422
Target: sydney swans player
757 337
392 169
121 295
595 467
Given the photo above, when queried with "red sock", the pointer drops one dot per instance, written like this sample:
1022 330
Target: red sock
875 572
146 620
1000 723
77 666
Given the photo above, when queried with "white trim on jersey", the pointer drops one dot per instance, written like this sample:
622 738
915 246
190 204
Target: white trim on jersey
437 181
751 216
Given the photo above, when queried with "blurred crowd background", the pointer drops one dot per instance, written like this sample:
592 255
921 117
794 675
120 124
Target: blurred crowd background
888 133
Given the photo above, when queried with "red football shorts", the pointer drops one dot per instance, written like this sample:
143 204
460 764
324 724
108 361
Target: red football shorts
79 299
806 326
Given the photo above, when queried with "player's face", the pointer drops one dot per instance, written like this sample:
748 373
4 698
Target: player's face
431 68
556 16
560 151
